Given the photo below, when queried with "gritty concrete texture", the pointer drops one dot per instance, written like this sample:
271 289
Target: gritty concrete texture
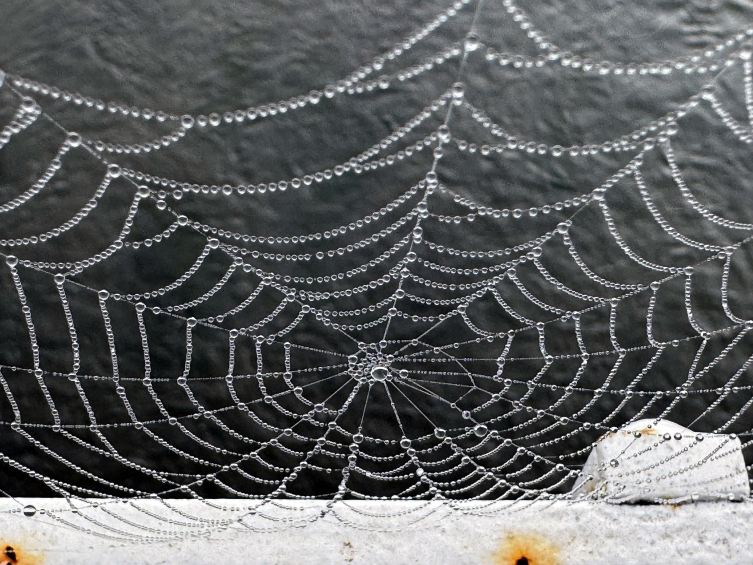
545 533
652 460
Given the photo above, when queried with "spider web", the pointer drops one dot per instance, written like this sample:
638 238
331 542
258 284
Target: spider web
449 345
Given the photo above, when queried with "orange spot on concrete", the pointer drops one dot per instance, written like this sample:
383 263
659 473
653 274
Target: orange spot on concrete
347 552
526 549
13 553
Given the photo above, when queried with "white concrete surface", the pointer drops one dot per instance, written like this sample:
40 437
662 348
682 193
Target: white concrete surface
545 533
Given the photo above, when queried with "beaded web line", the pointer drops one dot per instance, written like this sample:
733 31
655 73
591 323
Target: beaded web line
393 408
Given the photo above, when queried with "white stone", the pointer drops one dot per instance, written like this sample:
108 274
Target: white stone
408 533
660 461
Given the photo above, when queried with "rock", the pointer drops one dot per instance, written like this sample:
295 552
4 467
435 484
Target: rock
660 461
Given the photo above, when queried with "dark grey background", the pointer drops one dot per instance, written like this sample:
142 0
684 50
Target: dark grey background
200 57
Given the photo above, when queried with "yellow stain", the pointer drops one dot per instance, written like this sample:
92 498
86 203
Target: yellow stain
525 549
12 553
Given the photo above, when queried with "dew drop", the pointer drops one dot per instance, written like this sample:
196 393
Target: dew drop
471 42
74 139
379 372
458 92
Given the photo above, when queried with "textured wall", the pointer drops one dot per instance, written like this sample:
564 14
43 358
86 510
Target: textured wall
198 57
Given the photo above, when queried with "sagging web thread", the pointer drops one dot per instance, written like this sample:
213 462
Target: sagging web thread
468 426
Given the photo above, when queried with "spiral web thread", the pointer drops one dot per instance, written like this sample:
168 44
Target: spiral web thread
463 425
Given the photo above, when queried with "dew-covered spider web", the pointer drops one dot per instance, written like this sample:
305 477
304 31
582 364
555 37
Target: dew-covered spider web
454 312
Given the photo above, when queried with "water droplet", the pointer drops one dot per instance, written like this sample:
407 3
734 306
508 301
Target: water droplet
30 510
74 139
707 92
458 92
113 170
28 104
480 430
471 42
380 372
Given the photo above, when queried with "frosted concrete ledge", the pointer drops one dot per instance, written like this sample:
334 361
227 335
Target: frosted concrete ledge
544 533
